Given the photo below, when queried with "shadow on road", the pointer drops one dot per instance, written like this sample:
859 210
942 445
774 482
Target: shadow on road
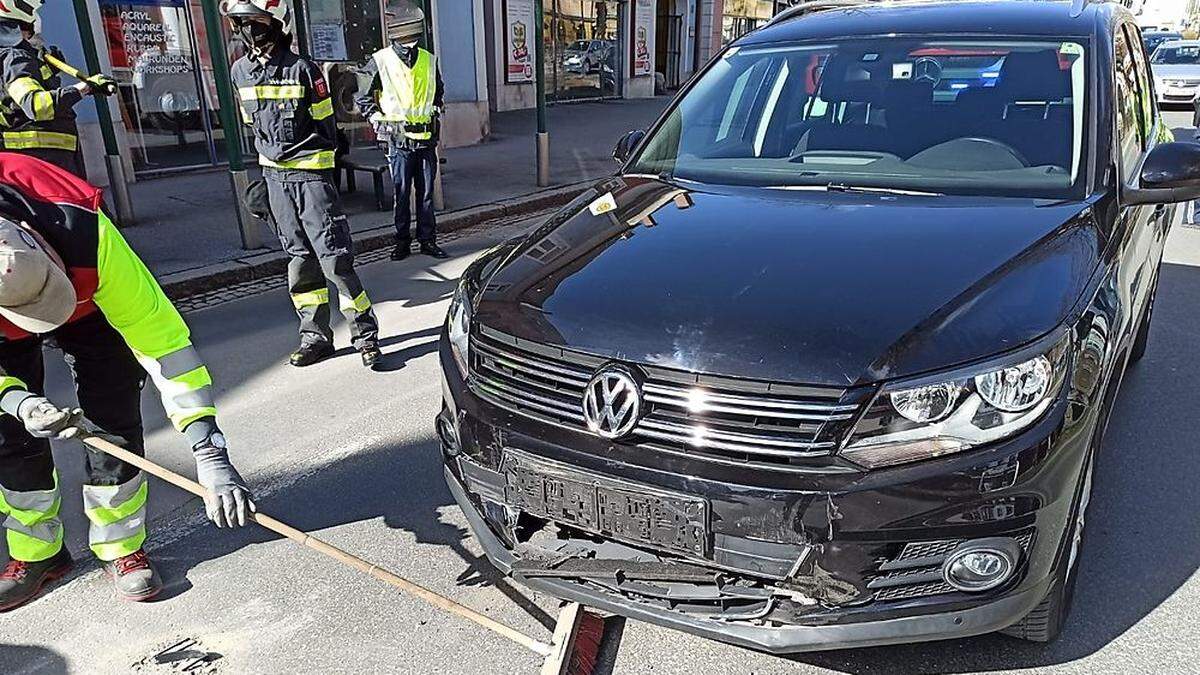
26 660
1142 543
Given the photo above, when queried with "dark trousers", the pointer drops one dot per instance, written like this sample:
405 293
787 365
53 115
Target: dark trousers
109 383
414 168
316 236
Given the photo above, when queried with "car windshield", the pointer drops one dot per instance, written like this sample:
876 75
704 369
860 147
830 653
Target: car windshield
951 116
1176 55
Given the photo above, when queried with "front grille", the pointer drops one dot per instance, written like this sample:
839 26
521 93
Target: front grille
721 419
917 571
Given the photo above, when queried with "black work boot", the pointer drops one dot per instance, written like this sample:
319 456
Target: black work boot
370 354
134 577
309 353
21 581
401 251
434 251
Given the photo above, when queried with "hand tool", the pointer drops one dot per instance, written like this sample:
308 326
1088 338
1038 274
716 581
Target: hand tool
106 85
576 641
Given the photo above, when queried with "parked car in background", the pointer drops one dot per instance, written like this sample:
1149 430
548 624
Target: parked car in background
829 361
586 56
1154 38
1176 67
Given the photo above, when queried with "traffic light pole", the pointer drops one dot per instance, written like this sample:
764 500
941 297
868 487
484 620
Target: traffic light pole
543 136
118 186
252 236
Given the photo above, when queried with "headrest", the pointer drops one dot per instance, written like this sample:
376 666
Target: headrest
1034 76
845 79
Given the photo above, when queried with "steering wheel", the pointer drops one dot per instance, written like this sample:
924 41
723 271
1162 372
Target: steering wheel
1000 144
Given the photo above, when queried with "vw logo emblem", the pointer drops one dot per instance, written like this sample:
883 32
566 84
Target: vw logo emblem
612 402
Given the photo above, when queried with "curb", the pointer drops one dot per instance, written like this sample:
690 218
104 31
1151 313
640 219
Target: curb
179 285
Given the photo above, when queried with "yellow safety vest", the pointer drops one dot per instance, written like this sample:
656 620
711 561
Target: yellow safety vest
408 93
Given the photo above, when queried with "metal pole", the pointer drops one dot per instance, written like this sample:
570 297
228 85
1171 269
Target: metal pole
543 136
252 235
112 150
439 195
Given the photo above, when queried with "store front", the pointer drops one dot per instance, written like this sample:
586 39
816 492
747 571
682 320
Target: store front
584 49
743 16
167 101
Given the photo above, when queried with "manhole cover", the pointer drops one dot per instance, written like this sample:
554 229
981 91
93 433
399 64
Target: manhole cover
184 656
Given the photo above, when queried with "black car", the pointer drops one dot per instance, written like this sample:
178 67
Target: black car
828 362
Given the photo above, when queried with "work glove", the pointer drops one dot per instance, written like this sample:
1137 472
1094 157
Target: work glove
229 502
102 84
43 419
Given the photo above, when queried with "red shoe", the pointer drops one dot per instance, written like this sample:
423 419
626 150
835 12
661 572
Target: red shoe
22 581
134 577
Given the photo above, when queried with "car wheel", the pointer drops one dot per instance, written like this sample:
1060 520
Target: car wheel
1143 334
1046 621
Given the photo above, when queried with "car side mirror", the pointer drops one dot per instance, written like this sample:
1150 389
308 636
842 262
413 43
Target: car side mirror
626 145
1171 173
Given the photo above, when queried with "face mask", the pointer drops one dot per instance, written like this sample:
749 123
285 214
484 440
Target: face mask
259 35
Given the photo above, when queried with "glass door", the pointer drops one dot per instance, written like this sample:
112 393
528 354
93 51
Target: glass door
583 49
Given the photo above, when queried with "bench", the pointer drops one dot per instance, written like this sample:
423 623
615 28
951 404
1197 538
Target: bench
378 172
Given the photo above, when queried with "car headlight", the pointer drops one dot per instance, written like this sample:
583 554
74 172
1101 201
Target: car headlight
458 324
912 421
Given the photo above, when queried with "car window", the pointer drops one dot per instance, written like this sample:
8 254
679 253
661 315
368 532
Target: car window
957 115
1146 96
1130 135
1169 54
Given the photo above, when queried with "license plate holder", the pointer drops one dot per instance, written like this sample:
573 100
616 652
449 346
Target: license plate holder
625 511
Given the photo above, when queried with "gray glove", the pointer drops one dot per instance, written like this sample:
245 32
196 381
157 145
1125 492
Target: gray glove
230 502
43 419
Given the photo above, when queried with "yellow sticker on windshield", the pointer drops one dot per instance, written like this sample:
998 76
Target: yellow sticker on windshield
1070 48
603 205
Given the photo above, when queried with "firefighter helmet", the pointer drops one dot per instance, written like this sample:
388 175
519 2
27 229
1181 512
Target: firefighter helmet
279 10
404 20
24 11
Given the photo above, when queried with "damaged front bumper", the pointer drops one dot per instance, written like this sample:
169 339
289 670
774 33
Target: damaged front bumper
784 563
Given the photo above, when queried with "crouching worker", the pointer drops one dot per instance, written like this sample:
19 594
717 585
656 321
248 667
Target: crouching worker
67 276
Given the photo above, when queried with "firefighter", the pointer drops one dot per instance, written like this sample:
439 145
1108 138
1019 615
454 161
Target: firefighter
286 101
37 114
404 103
67 276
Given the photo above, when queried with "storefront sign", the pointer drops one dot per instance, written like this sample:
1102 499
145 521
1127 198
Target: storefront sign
643 24
518 41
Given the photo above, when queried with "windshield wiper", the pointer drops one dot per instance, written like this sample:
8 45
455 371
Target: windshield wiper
860 189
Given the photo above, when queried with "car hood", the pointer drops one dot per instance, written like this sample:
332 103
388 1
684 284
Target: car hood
1176 70
816 288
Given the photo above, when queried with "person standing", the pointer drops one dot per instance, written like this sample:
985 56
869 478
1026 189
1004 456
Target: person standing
37 114
67 275
403 101
286 101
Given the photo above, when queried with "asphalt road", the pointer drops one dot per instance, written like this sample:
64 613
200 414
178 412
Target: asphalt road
351 455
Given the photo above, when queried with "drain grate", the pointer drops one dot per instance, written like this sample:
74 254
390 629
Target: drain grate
184 656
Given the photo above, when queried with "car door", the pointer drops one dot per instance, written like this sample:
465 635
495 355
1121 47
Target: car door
1139 229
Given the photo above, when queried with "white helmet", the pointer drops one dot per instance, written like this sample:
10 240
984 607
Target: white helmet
20 10
279 10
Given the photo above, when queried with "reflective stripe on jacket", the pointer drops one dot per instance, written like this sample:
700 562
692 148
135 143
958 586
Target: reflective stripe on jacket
108 276
287 102
36 111
407 94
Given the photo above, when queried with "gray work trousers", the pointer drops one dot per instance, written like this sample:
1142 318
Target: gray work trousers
316 235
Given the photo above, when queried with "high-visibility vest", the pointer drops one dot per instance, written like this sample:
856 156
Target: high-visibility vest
407 94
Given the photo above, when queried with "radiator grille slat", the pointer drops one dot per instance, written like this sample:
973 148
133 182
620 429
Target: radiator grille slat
719 419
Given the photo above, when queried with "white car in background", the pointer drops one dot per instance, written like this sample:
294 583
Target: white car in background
1176 67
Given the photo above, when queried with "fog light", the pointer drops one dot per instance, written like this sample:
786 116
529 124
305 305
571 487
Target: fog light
982 564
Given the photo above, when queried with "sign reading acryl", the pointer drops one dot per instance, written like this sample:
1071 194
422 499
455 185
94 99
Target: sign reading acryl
518 41
149 43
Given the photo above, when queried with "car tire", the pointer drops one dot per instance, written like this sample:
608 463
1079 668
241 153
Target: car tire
1046 621
1143 335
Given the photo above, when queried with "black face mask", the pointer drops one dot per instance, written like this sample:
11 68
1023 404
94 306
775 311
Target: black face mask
260 35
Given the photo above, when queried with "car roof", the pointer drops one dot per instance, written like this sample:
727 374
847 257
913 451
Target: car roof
1180 43
850 18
